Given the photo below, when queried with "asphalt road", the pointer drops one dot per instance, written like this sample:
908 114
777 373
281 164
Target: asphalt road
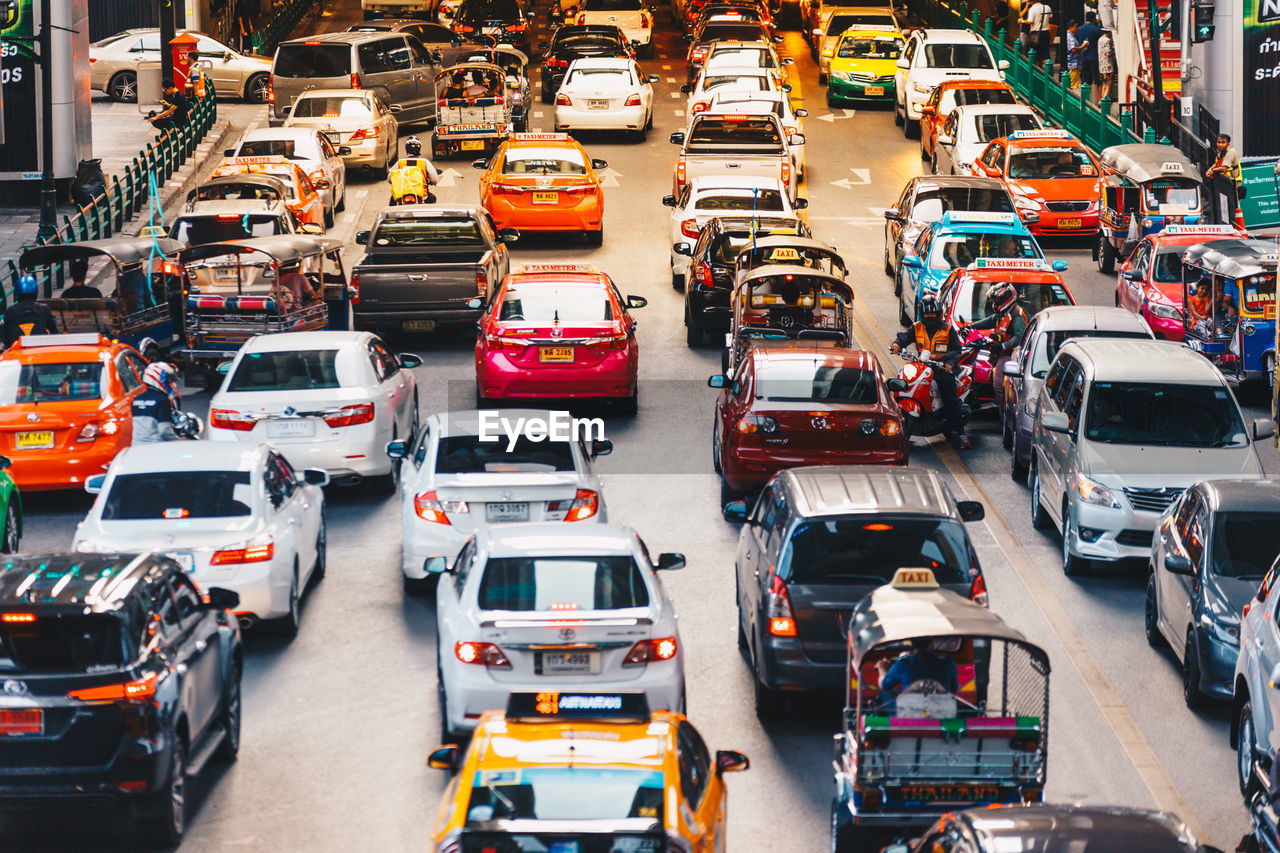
338 723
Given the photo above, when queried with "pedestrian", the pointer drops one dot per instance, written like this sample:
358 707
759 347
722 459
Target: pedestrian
1106 66
1087 36
1225 177
244 25
1039 16
1073 53
174 115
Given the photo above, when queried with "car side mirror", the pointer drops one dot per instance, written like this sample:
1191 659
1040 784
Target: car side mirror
778 40
344 149
444 758
397 449
224 367
408 359
719 380
599 164
1178 564
640 302
1263 428
800 203
903 64
894 215
229 152
1132 275
288 110
801 113
653 78
1060 266
362 237
601 447
1011 368
509 235
1056 422
310 228
730 761
321 183
897 385
677 137
682 249
92 484
1003 65
395 108
669 562
913 261
436 565
796 139
669 200
971 510
479 163
786 60
475 302
735 511
222 599
786 87
945 139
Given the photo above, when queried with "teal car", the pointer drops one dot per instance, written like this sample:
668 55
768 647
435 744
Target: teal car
11 506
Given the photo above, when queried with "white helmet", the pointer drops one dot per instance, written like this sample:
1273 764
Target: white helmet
160 375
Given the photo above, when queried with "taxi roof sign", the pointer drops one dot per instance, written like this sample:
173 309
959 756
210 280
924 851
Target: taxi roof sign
555 705
576 269
961 216
539 137
1197 230
75 339
1044 133
914 579
1009 264
257 160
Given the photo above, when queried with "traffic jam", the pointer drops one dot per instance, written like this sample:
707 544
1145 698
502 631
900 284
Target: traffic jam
386 341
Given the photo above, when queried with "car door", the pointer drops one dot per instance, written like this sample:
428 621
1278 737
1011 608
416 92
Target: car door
1012 386
385 67
1052 454
944 152
1181 590
423 72
453 621
334 168
914 277
501 254
696 775
1268 651
893 229
128 367
222 65
391 392
196 645
283 518
903 71
302 512
1066 445
1130 292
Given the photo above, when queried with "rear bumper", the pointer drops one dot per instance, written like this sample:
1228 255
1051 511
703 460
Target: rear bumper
784 665
749 470
60 469
711 307
851 90
587 214
139 767
613 377
627 118
364 458
373 320
1051 223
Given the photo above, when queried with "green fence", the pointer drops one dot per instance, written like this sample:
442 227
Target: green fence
284 18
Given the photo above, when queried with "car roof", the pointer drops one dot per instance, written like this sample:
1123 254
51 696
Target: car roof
1130 360
97 583
177 456
766 357
336 93
213 207
994 109
732 182
298 341
76 347
1244 495
557 538
1096 823
727 70
620 63
467 421
338 38
824 490
1093 317
640 745
739 45
282 132
950 36
977 182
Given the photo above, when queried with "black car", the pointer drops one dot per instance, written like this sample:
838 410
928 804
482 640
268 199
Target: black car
579 41
505 19
711 261
119 681
923 201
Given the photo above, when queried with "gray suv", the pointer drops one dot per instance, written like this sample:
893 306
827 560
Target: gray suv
818 540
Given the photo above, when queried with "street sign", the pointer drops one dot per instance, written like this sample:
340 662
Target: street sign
1261 202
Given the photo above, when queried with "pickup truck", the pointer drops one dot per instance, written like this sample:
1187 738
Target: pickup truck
738 145
424 264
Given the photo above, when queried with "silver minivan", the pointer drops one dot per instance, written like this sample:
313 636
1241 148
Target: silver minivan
394 66
1123 428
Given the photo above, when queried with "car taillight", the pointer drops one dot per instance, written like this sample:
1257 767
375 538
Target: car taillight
978 592
782 622
361 413
584 505
355 288
271 89
364 133
681 171
228 419
689 228
482 284
254 552
355 80
482 654
429 507
702 275
562 100
88 432
556 63
496 341
651 651
699 107
632 101
142 688
644 20
757 423
582 19
890 428
505 189
786 171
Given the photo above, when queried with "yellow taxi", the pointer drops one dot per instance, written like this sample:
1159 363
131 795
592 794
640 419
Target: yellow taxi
863 64
303 198
544 182
583 771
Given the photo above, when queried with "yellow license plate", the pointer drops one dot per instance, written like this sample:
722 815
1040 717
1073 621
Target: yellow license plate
555 353
1269 313
34 440
874 90
1069 223
471 145
546 198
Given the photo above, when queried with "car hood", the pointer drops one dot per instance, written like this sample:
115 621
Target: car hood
1228 596
1138 466
1166 291
1057 189
869 67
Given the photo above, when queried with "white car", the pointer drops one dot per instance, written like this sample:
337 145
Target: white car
605 94
311 150
703 198
967 130
454 483
553 607
633 17
932 56
779 103
724 78
237 518
115 60
329 400
747 54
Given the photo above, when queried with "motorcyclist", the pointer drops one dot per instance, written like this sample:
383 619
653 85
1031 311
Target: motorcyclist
413 159
932 340
27 316
156 415
1005 319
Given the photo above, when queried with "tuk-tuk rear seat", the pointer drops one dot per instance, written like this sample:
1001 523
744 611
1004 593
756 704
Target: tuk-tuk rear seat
977 747
231 303
83 315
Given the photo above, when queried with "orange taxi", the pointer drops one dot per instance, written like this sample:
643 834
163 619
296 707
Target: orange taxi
584 771
66 405
950 94
303 198
1053 170
544 182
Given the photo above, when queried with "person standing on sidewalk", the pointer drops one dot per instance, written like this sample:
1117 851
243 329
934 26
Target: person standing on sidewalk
1224 179
1038 17
1073 54
1088 35
1106 66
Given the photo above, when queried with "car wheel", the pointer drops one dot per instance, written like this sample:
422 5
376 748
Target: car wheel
1072 566
1106 254
167 821
888 267
257 90
342 202
1017 468
648 122
831 101
124 87
743 643
822 81
694 334
447 735
715 444
677 281
230 746
595 238
897 115
322 554
768 703
904 319
1039 518
328 219
288 624
1151 614
910 129
1191 673
1247 779
12 527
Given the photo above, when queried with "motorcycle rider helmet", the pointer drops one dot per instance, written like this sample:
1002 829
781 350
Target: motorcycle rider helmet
930 309
27 286
1001 298
413 146
160 375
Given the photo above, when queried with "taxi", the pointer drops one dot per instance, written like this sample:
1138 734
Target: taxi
66 407
303 198
863 64
544 182
574 772
558 331
950 94
1149 282
1054 171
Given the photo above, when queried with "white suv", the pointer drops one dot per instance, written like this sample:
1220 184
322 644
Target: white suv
932 56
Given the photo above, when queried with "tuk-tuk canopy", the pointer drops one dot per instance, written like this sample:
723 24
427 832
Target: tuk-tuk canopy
785 241
122 251
1141 162
260 184
1234 258
504 57
484 74
282 248
828 282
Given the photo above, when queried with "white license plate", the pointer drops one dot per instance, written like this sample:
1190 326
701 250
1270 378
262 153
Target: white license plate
507 511
569 663
184 559
298 428
593 104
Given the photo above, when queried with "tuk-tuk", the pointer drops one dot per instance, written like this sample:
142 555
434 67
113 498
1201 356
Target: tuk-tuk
1229 299
791 250
473 111
786 302
245 187
920 747
262 285
515 64
143 309
1144 187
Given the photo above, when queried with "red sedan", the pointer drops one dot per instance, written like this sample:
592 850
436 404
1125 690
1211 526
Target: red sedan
803 405
558 331
1149 282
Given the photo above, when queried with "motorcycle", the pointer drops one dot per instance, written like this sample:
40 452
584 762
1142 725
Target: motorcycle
919 399
188 425
1266 825
411 179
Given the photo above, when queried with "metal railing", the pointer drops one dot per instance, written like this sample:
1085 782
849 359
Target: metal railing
284 18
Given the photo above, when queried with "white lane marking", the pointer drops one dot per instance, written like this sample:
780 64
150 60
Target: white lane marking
449 177
679 112
609 177
863 177
671 79
675 95
831 117
537 113
666 68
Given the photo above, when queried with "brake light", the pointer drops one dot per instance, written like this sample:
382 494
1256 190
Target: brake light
92 60
651 651
699 107
355 80
429 507
88 432
699 53
582 19
482 284
271 89
496 341
757 423
364 133
702 275
505 189
584 505
355 287
361 413
259 553
978 592
632 101
482 654
782 622
228 419
644 20
12 618
890 428
689 228
562 100
681 171
142 688
556 63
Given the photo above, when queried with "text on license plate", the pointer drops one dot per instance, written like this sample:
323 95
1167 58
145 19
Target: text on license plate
507 511
471 145
419 325
949 793
292 428
184 559
563 663
34 440
26 721
874 90
555 353
546 198
597 104
1069 223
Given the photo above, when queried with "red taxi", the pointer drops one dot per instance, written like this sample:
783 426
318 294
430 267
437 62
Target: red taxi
1052 169
303 198
787 406
544 182
558 331
1149 282
66 407
950 94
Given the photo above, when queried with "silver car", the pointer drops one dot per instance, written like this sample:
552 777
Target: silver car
1123 427
114 61
356 120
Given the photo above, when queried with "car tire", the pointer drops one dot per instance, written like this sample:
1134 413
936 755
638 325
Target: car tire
910 129
123 87
288 624
888 267
1039 518
257 89
1245 776
694 334
342 202
322 555
630 405
595 238
419 586
12 527
822 81
1073 566
769 704
328 218
831 101
677 282
166 821
447 735
229 749
845 835
715 444
1191 694
1006 431
897 116
1151 614
1106 254
642 134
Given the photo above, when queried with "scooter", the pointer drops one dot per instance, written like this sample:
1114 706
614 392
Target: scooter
1266 824
921 403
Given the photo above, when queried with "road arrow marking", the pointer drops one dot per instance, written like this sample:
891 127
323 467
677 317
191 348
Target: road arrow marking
831 117
449 178
863 177
609 177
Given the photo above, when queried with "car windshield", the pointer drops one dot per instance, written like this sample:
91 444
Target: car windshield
882 47
199 230
1245 543
959 250
1180 192
1164 415
335 106
69 643
273 147
563 304
1034 298
451 231
312 60
480 11
989 127
1063 161
957 56
726 249
290 370
739 200
543 161
1167 268
1048 344
736 132
177 495
930 204
48 383
468 454
869 549
556 793
556 583
804 381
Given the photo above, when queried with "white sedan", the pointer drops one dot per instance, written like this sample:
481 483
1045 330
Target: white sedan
455 482
737 79
329 400
234 517
703 198
605 94
309 148
633 17
967 130
549 607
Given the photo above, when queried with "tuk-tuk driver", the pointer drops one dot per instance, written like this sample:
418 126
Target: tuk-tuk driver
923 663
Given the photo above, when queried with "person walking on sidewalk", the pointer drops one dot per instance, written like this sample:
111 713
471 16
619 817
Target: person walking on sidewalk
1073 54
1106 66
1088 35
1224 177
1038 17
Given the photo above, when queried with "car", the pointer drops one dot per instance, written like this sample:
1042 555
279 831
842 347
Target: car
620 634
966 132
1255 702
1018 394
1052 170
11 507
633 17
1149 281
544 182
923 201
572 42
457 481
721 28
948 95
788 406
67 407
217 219
301 196
329 400
752 142
746 102
605 94
831 22
436 38
357 120
126 681
726 78
818 540
1211 550
507 20
605 772
704 198
114 62
241 520
931 56
748 54
308 148
863 65
1122 428
743 10
558 331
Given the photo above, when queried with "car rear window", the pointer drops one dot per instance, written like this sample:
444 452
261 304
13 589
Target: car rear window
198 230
479 11
725 31
868 549
802 382
991 127
612 5
592 43
739 200
728 247
312 60
61 644
250 192
467 454
47 383
567 304
839 23
543 161
736 132
332 107
286 148
300 370
562 583
739 57
188 494
745 81
556 793
455 231
931 204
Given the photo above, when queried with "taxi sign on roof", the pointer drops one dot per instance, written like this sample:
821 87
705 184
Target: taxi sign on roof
579 269
1008 264
554 705
63 340
1197 230
955 216
1041 134
257 161
1171 166
914 579
539 137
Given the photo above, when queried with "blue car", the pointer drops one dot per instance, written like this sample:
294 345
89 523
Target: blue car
957 241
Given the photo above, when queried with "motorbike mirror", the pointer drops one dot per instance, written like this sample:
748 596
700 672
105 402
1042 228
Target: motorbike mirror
682 249
92 484
528 16
224 368
315 477
897 385
669 562
344 149
444 758
479 163
735 511
1263 428
778 39
1055 422
1011 368
719 380
1274 681
1178 564
1060 266
362 237
222 599
475 302
971 510
408 359
397 449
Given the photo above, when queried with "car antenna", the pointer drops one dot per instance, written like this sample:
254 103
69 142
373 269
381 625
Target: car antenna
556 319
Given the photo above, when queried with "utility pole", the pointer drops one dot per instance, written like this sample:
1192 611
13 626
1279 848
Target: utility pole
166 36
1159 105
48 190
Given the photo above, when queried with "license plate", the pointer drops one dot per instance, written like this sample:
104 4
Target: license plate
34 440
570 663
224 272
1069 223
184 559
874 90
28 721
546 198
593 104
507 511
419 325
471 145
291 428
949 793
555 353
